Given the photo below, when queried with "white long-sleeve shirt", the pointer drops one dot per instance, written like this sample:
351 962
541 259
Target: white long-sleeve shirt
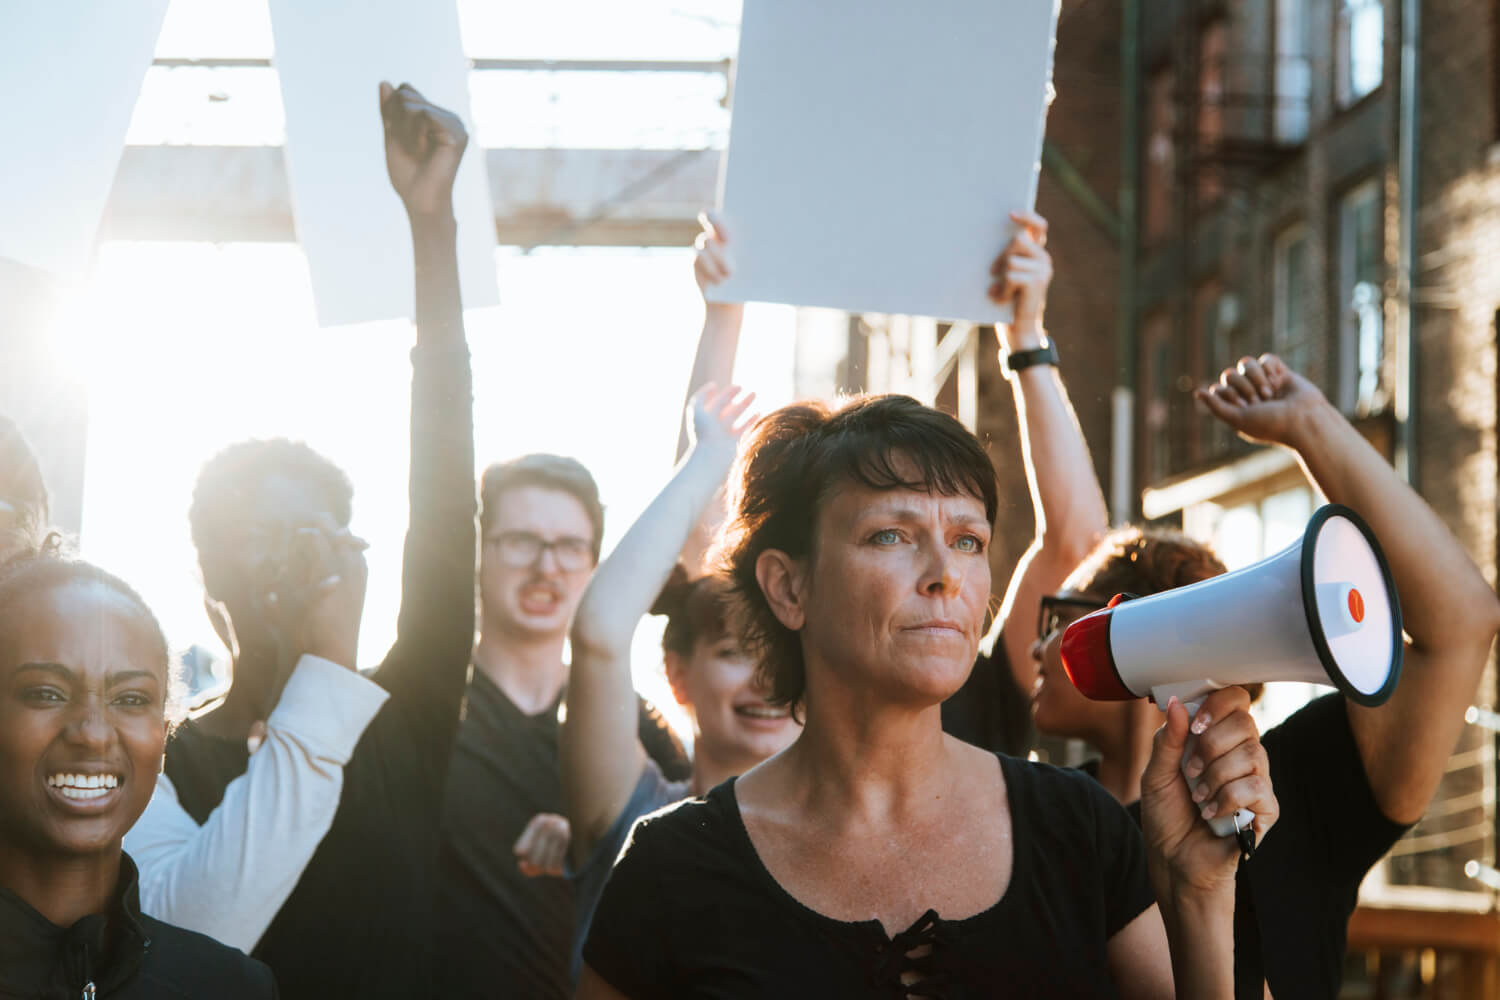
230 876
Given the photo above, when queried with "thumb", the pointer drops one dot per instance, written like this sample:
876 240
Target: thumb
1171 742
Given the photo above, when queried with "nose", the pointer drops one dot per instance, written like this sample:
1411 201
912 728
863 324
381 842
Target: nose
546 560
1038 647
943 574
89 726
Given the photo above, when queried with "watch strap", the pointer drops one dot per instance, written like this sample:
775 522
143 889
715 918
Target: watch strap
1044 355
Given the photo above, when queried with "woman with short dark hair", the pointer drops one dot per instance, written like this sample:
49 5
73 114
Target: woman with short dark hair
84 685
877 856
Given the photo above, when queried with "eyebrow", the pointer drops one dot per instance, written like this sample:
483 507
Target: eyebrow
912 514
110 679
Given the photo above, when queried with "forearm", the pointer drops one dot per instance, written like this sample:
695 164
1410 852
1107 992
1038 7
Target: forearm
1200 934
1445 601
626 584
439 306
714 358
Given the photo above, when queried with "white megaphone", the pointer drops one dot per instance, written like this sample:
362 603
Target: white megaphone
1323 610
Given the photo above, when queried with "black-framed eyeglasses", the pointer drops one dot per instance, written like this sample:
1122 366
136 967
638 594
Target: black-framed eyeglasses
522 548
1061 610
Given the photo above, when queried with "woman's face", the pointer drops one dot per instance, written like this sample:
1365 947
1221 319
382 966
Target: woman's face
734 720
895 593
82 720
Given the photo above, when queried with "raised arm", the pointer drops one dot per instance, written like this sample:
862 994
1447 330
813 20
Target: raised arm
601 753
427 668
713 363
1448 610
1066 501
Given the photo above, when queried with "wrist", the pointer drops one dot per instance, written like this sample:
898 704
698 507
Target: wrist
1026 335
432 228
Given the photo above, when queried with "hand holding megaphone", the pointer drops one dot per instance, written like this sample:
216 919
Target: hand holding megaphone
1323 610
1186 854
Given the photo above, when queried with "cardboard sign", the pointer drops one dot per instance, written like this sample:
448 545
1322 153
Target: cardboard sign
877 148
331 56
72 72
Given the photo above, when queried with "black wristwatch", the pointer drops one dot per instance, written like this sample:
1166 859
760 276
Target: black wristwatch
1046 355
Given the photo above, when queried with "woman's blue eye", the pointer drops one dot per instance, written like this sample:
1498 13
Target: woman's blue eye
970 543
887 537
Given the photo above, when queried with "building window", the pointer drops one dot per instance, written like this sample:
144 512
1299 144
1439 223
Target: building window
1289 335
1293 73
1360 52
1212 45
1360 308
1161 161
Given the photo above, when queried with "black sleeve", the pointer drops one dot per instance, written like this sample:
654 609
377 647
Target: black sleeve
991 711
630 938
1122 860
426 670
1328 809
661 744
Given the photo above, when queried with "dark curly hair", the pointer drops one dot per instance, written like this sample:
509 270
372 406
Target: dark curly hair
789 464
550 472
695 609
220 497
51 566
1144 561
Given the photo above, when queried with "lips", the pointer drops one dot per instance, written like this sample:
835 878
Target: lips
936 627
539 599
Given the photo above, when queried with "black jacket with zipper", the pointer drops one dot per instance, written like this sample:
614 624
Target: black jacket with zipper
119 955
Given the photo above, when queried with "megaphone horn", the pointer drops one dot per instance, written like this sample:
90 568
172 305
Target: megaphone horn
1323 610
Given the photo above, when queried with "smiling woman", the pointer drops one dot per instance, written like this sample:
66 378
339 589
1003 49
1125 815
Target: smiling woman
84 689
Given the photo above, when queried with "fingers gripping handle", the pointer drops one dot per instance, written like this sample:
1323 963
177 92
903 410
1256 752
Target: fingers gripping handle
1241 825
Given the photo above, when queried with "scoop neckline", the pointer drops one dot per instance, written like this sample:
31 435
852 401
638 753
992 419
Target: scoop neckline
1019 844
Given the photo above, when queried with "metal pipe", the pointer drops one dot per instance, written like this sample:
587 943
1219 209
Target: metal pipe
1122 464
1408 150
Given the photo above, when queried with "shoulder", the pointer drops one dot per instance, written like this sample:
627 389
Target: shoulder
1063 788
194 964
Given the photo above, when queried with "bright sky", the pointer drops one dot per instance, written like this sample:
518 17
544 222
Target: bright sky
191 346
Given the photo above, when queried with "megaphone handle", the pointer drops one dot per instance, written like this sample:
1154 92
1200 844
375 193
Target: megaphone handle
1241 825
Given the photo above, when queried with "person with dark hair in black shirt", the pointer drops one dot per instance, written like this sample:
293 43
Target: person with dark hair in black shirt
85 684
877 855
271 524
1351 779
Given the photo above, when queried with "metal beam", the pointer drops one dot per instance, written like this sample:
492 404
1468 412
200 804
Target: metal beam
552 197
1077 186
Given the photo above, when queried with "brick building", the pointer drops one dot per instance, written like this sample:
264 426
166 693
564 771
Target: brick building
1291 192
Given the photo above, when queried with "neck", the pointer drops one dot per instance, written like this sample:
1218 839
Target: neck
528 667
62 889
1125 749
866 760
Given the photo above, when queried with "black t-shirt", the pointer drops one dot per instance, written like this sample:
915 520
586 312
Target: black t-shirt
1293 898
990 710
358 922
690 911
1296 893
499 932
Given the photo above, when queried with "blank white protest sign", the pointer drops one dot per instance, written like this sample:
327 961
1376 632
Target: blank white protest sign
877 147
71 71
331 56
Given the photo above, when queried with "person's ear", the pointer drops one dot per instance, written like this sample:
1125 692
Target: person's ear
677 676
783 581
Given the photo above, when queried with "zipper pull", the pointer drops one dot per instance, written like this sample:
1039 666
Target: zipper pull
88 991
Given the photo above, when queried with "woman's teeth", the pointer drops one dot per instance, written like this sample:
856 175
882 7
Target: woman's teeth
84 786
762 712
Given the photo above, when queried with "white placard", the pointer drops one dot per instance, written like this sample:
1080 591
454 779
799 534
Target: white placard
70 72
331 56
877 148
